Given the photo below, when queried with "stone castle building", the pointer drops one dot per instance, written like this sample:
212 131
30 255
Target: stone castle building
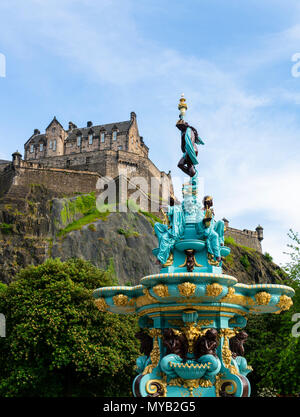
109 149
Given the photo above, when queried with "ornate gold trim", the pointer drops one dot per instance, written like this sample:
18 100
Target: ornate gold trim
232 298
101 304
170 260
161 290
284 303
226 352
213 290
211 260
262 298
221 309
152 387
231 389
187 289
155 353
144 300
185 261
120 300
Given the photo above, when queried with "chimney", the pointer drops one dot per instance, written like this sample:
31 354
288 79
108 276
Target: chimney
36 132
89 124
132 116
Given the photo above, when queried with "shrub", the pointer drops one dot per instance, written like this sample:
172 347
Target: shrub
58 343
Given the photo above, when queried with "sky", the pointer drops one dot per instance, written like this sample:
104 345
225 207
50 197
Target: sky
236 63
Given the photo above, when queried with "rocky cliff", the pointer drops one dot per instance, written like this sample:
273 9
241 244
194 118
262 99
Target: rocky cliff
36 224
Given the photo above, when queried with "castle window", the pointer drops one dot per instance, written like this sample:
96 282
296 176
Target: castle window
78 140
88 160
120 147
114 135
102 137
90 139
50 144
54 145
68 163
31 148
41 147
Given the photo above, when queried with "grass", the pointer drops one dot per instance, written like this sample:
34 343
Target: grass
229 260
84 204
90 217
229 240
128 232
245 262
152 218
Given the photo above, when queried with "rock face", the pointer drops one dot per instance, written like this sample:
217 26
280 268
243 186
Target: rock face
125 238
36 224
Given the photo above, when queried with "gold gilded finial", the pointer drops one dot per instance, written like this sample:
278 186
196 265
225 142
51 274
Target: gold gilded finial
182 106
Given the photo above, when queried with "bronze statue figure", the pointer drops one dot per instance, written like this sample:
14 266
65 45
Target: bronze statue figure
146 342
236 344
189 141
175 343
207 344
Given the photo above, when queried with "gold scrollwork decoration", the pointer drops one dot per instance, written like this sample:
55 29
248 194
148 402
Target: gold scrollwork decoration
170 260
211 260
101 304
232 298
161 290
284 303
187 289
185 262
144 300
213 290
226 352
156 387
120 300
218 384
230 386
155 353
262 298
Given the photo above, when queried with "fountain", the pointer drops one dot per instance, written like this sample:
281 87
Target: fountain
191 315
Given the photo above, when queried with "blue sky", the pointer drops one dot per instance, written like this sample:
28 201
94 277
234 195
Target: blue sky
99 60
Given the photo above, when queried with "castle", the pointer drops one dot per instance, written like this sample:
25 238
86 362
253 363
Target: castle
109 149
72 161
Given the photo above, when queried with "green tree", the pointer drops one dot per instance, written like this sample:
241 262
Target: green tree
272 350
58 343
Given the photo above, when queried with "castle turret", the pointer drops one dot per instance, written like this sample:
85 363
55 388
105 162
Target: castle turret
260 232
226 222
17 157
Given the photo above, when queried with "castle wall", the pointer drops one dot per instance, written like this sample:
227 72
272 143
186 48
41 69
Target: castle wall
6 180
244 237
64 181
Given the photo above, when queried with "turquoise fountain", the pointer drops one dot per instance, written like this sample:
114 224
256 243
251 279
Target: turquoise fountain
191 315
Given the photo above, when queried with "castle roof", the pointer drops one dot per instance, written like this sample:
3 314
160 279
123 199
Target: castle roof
122 127
2 161
36 139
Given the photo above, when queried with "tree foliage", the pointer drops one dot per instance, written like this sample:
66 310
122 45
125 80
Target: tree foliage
272 350
58 343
